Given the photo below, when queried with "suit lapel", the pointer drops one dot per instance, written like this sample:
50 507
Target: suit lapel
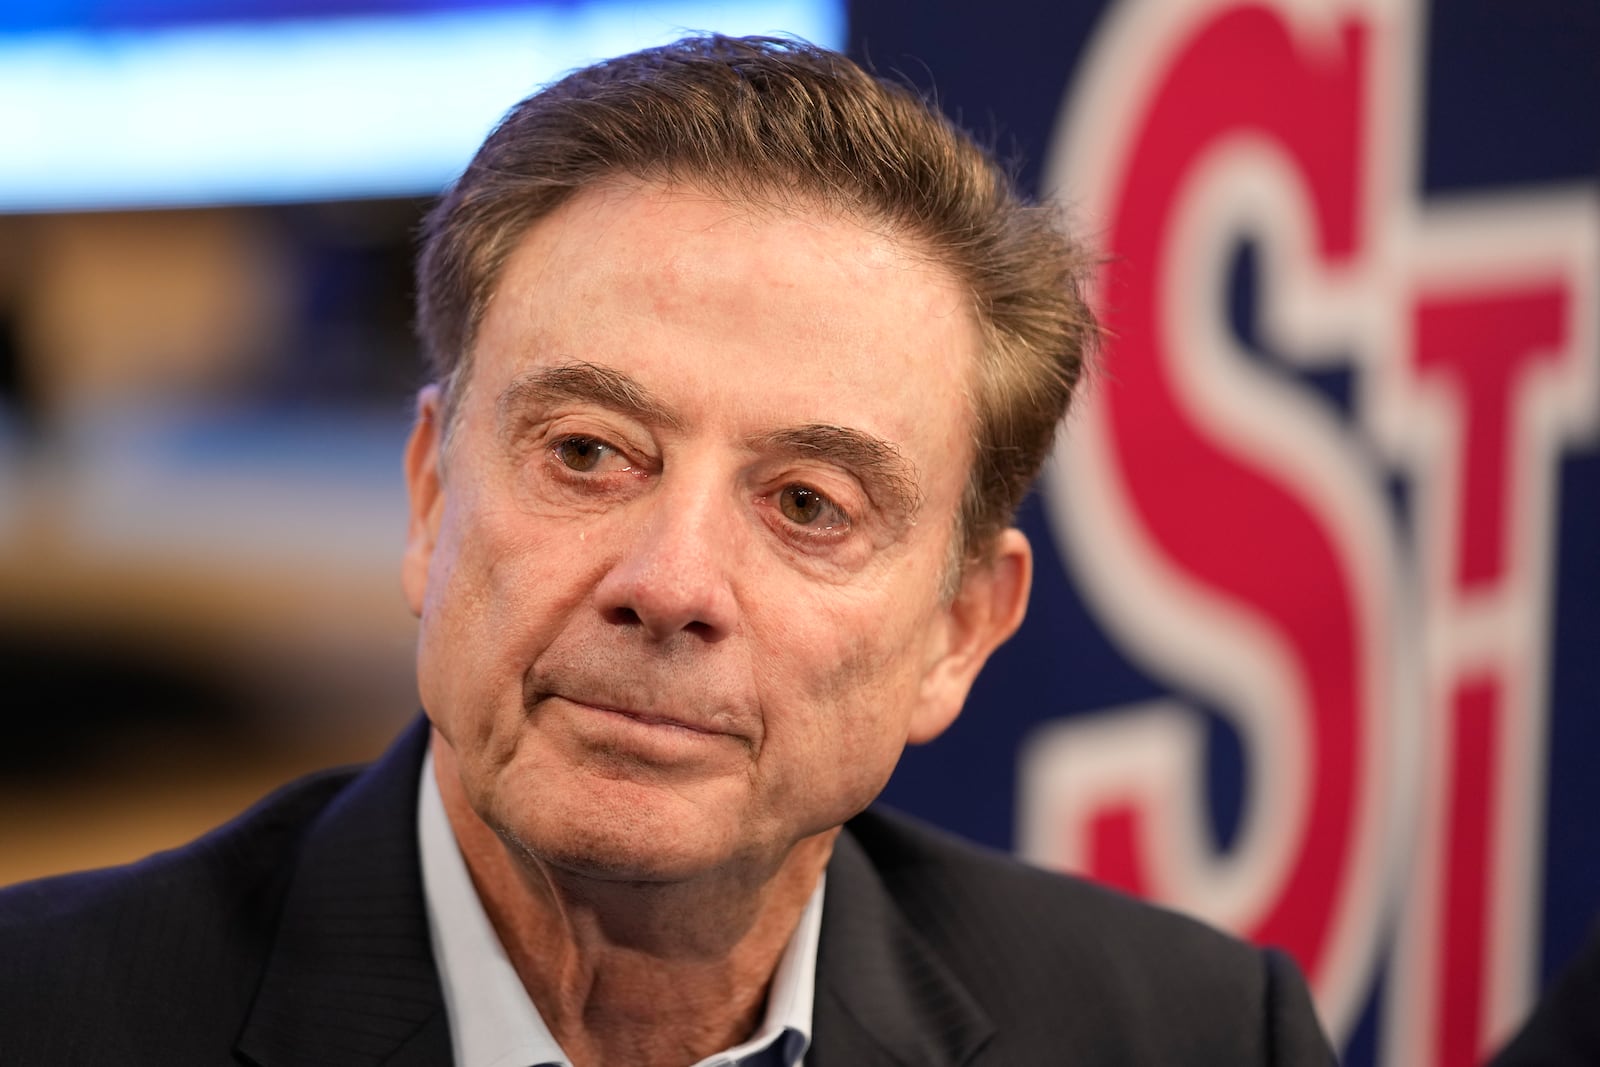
882 993
350 979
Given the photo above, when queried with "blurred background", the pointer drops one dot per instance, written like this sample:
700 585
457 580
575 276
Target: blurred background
207 211
1312 645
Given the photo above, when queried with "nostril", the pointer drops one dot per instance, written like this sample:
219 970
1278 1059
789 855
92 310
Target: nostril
623 616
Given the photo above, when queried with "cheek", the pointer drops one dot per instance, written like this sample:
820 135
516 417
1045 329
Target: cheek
841 695
493 597
495 568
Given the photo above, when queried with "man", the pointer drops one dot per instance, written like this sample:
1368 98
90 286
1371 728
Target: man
743 361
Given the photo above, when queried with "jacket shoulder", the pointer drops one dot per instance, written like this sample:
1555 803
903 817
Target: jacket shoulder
935 876
171 944
1051 954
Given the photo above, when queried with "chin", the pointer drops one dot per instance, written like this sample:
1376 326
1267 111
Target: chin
619 843
607 857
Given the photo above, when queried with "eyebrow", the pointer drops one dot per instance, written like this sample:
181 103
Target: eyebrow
887 476
585 383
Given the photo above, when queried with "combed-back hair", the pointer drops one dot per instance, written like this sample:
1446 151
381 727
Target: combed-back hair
782 122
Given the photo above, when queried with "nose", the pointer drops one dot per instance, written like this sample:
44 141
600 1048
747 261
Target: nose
674 576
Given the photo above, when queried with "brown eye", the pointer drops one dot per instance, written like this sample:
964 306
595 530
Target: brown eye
581 453
801 505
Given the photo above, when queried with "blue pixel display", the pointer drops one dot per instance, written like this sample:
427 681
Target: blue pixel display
121 104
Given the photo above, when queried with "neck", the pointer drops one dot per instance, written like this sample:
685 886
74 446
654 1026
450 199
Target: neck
629 972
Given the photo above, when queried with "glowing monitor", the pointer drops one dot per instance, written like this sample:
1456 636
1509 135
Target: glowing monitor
145 103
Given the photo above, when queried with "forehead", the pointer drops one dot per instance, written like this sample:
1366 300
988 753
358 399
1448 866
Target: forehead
740 313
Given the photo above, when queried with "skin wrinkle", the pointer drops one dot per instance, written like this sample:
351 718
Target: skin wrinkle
888 479
588 685
583 382
915 254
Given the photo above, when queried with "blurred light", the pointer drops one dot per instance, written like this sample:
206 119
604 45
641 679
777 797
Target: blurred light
309 108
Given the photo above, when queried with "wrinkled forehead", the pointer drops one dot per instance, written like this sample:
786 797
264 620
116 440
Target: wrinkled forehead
881 242
587 226
740 316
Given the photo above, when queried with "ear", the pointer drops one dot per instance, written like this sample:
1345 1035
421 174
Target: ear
986 610
426 494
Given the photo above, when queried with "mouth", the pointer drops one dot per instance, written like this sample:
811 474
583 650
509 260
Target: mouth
709 724
636 736
648 718
677 720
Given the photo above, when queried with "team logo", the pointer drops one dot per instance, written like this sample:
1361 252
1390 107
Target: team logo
1313 491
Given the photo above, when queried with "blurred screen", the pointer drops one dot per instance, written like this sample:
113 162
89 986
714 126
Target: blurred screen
150 103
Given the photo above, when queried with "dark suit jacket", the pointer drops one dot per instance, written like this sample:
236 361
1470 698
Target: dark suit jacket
297 935
1564 1029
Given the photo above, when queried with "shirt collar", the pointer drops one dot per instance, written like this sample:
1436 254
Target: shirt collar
493 1021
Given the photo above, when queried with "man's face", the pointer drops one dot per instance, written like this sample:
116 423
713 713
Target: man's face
679 570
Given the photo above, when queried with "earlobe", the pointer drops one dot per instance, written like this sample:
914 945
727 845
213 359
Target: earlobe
425 491
986 610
